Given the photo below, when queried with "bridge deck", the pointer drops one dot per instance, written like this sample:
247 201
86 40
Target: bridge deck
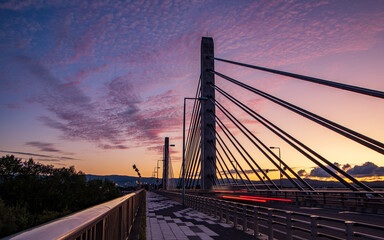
167 219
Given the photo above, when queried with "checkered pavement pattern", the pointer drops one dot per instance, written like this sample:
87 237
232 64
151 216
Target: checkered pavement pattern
169 220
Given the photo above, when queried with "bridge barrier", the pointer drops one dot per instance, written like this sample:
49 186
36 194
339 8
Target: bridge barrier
280 224
110 220
361 201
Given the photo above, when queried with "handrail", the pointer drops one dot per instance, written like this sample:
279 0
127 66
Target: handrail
90 222
269 220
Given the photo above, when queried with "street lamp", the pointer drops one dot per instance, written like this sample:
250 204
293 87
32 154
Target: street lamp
138 173
157 164
183 165
281 185
154 175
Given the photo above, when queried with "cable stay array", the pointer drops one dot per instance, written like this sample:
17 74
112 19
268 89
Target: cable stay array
245 161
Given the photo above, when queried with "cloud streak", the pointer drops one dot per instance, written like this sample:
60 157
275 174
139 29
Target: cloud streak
45 147
56 158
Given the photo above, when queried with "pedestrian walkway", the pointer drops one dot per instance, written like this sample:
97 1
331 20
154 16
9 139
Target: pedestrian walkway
167 219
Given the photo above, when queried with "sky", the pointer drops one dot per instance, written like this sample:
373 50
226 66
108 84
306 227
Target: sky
100 84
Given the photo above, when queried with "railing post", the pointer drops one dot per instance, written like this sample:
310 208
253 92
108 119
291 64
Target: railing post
288 225
245 227
205 210
191 201
202 204
227 212
270 223
214 208
210 206
349 233
255 222
196 203
235 215
314 226
324 199
221 211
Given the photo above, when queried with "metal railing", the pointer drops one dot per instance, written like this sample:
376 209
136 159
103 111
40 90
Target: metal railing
281 224
110 220
362 201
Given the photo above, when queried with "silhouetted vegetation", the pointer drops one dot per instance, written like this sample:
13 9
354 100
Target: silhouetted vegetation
32 193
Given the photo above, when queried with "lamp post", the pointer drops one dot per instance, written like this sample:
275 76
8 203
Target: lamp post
166 163
183 164
138 173
278 148
157 172
154 175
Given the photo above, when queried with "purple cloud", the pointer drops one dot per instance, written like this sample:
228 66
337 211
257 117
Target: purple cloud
367 169
14 106
119 116
108 147
74 113
45 147
319 172
40 155
114 73
302 173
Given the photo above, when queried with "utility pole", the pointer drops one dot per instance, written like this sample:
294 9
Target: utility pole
166 164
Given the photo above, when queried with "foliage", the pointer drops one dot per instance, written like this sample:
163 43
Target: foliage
32 193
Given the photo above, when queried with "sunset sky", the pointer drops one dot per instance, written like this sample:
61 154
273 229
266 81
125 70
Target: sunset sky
99 84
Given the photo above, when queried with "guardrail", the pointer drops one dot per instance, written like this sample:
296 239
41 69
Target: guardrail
280 224
110 220
362 201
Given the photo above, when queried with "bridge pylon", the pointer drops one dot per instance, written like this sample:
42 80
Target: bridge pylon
208 137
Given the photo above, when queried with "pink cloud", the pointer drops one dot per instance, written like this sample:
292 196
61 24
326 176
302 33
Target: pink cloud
143 58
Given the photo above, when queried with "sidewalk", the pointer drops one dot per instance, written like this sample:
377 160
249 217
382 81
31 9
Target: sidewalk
167 219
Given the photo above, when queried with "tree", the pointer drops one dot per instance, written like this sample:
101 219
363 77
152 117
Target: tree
32 193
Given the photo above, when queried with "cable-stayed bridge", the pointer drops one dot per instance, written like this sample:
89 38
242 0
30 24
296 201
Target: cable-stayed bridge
237 178
215 156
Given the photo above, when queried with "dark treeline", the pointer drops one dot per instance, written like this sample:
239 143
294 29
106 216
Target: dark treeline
32 193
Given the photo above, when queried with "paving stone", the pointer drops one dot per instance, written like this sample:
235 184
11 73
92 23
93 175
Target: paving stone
204 236
225 225
168 219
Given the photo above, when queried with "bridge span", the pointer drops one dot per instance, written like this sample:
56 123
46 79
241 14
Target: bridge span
237 181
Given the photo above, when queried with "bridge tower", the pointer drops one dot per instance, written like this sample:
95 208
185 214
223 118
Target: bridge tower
208 138
166 164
